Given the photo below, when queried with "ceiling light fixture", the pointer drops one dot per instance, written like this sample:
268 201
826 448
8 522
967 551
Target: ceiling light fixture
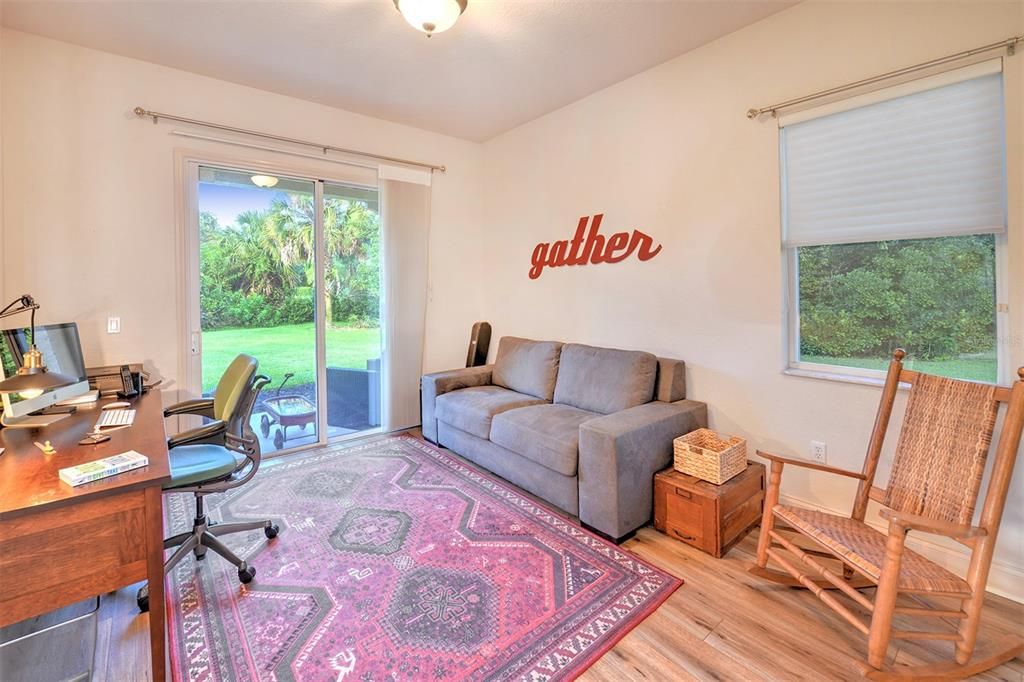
431 16
264 180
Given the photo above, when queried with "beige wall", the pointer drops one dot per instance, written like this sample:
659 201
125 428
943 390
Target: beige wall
671 152
89 224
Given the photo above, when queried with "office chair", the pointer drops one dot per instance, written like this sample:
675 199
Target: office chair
220 409
214 460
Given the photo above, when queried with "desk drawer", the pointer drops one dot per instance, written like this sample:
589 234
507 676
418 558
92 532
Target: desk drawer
67 554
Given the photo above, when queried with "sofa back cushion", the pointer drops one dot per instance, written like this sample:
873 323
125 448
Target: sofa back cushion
605 380
527 366
671 383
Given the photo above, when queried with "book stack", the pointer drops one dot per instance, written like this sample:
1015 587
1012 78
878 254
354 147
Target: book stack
102 468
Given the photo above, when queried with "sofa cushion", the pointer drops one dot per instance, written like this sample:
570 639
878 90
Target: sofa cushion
527 366
546 434
471 409
671 383
604 380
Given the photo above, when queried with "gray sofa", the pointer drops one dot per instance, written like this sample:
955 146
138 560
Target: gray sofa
584 428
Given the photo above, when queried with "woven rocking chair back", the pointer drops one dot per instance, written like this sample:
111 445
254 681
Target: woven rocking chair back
943 443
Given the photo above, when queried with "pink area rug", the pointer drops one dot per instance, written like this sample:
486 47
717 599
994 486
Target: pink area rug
397 561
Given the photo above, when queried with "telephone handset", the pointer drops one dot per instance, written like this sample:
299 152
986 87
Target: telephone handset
129 383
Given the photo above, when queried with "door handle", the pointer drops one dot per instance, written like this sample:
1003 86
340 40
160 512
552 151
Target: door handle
196 342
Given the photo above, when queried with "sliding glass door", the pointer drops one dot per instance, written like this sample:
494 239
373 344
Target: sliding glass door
289 272
351 295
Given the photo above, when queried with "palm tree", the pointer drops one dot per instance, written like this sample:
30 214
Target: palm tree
350 235
258 251
271 252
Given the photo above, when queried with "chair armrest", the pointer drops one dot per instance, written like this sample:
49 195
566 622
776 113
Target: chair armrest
200 406
909 521
619 455
212 432
811 465
439 383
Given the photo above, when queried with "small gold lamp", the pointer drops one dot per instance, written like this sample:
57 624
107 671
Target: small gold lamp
32 376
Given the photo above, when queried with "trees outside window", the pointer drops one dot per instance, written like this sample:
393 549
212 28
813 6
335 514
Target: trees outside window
934 297
260 270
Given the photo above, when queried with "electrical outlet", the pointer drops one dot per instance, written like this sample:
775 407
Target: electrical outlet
819 451
113 325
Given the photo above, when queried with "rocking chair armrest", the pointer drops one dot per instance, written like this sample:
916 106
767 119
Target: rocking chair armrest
909 521
811 465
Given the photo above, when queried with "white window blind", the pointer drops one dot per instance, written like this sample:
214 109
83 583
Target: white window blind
931 163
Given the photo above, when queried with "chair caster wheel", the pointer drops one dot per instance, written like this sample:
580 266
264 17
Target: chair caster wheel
271 531
245 575
142 599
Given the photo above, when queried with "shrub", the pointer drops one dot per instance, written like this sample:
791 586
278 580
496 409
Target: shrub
934 297
298 306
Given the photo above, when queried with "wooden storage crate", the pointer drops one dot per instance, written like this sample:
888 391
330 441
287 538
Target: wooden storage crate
710 517
709 456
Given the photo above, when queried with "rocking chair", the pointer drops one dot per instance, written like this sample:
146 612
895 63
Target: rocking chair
933 486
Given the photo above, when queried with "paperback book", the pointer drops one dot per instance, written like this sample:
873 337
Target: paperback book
102 468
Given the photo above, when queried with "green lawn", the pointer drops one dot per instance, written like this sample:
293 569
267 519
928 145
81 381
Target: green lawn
975 368
288 348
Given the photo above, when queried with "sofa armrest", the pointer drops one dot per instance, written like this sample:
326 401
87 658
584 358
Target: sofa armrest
619 455
434 385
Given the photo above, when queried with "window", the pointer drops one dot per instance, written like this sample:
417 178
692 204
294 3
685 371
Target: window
894 226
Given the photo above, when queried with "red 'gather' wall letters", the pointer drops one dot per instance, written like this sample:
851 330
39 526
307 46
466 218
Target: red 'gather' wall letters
593 250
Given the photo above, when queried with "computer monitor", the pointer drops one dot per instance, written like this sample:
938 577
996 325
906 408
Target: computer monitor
62 353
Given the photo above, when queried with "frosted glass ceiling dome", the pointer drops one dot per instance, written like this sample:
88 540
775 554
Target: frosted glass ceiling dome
431 16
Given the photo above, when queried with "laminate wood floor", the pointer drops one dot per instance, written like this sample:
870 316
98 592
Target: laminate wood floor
727 624
723 624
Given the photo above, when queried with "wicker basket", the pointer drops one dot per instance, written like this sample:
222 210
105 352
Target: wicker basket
709 456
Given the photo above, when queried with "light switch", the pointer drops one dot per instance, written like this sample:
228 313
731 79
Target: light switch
113 325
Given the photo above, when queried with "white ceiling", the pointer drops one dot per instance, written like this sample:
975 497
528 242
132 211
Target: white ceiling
504 63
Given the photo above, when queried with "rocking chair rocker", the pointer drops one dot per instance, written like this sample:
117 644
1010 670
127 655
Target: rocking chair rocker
933 486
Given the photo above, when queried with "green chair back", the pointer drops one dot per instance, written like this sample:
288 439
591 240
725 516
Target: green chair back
233 385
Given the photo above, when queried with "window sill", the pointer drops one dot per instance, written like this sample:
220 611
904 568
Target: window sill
838 376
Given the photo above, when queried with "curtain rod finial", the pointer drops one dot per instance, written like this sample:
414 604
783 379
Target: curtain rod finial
753 113
139 111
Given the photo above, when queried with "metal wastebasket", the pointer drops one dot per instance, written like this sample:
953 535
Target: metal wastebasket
55 647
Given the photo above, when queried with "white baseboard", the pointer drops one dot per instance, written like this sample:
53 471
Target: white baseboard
1005 579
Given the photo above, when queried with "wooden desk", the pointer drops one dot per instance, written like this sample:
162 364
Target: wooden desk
59 544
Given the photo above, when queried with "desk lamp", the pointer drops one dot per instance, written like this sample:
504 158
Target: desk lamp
32 376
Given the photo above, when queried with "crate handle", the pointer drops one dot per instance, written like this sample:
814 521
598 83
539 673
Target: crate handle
683 535
686 494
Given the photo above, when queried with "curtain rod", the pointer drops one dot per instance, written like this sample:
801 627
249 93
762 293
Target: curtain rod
156 116
1010 45
275 150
